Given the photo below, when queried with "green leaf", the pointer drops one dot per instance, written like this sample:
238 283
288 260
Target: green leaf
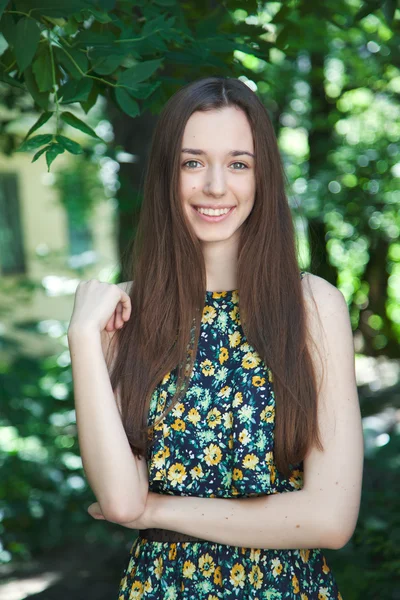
107 64
72 120
388 9
53 151
41 68
3 4
10 80
41 98
8 28
39 154
26 43
67 58
139 72
91 101
127 103
69 145
34 142
41 121
143 90
75 91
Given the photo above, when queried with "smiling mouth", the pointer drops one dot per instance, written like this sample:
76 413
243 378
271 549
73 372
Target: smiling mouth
213 218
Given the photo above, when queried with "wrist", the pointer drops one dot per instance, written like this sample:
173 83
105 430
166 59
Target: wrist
78 332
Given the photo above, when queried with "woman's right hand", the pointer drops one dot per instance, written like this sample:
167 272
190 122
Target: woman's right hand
100 306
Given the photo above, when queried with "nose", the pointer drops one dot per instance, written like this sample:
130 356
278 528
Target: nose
215 184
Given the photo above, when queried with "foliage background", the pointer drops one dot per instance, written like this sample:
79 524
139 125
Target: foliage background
329 76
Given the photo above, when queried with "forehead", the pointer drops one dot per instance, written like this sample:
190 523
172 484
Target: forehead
227 128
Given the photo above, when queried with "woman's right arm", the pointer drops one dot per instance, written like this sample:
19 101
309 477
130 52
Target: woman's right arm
116 476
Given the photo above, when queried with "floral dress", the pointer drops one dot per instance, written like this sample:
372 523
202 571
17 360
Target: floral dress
219 443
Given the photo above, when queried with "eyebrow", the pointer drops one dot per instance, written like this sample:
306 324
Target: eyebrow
231 153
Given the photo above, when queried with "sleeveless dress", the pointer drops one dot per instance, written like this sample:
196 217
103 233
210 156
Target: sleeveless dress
218 443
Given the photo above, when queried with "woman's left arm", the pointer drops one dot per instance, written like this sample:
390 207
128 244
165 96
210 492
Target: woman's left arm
323 514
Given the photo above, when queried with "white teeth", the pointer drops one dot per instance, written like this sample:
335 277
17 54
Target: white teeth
212 212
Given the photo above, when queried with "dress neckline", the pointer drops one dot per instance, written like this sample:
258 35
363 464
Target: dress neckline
222 294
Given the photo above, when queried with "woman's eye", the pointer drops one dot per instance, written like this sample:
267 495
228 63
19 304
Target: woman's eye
240 163
190 161
186 164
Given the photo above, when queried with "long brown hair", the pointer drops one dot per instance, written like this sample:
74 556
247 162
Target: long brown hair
169 281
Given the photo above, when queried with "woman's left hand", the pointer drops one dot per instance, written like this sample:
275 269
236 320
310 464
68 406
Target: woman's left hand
145 521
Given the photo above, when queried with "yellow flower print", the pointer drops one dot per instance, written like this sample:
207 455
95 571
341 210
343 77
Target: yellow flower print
230 442
213 454
228 419
209 314
159 458
147 586
257 381
305 555
256 577
235 297
234 339
244 437
223 355
166 377
161 401
325 568
250 461
206 565
269 457
295 584
270 376
296 479
340 596
219 295
234 314
189 569
225 391
255 555
268 414
238 399
158 567
218 576
213 418
136 590
272 470
197 472
207 367
250 360
178 409
172 551
193 416
237 474
238 575
178 425
276 567
305 597
123 584
323 593
176 474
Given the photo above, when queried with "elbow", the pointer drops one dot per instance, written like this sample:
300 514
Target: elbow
338 535
121 515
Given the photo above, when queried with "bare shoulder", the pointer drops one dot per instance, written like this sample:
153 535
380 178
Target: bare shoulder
328 318
322 295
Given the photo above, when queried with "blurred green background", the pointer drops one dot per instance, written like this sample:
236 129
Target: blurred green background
81 87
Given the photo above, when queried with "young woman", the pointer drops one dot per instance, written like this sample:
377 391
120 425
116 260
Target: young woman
232 373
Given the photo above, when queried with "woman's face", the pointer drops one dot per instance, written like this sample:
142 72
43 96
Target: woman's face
217 172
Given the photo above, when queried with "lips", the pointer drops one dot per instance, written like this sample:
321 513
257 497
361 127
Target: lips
214 218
